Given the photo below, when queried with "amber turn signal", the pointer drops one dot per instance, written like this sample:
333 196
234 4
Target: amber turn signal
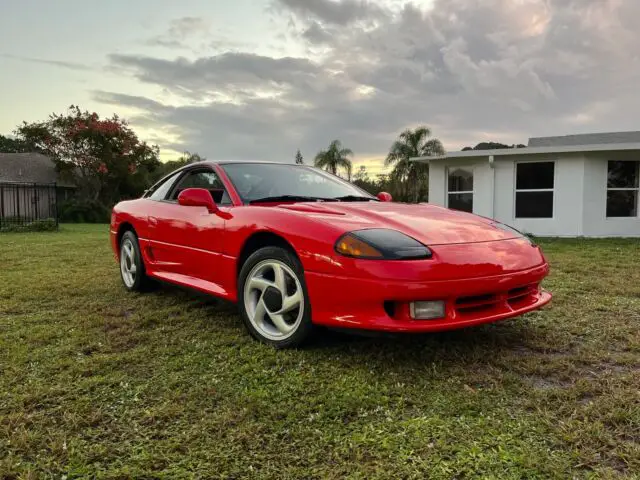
351 246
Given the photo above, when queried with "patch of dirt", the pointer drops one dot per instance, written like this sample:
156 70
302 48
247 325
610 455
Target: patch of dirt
608 368
117 313
585 398
590 372
115 322
547 383
89 350
524 351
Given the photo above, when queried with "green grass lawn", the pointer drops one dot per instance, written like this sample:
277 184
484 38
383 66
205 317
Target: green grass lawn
98 382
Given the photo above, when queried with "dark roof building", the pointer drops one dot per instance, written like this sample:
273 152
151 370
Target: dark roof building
29 168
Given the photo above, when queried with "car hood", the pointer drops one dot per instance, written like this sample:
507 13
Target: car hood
429 224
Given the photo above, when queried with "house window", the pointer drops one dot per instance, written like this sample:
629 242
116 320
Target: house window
460 189
534 189
623 179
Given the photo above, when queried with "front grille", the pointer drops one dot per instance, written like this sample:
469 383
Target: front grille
476 300
506 300
516 297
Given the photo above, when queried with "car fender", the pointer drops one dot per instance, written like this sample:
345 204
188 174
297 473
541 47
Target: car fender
312 239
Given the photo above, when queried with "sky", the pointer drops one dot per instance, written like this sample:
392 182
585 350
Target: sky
259 79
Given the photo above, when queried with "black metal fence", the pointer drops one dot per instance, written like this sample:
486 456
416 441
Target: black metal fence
23 205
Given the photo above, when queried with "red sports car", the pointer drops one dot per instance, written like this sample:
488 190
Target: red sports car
297 247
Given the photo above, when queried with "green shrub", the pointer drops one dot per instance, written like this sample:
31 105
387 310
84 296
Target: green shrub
83 211
18 225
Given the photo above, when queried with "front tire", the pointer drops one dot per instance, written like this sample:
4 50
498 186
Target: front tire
273 299
132 272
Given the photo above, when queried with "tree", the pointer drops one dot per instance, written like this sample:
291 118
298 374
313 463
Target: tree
492 146
12 145
361 175
335 158
188 157
103 157
172 165
299 159
167 167
410 179
362 180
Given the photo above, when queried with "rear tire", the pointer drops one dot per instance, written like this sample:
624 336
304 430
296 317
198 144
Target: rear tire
132 271
273 299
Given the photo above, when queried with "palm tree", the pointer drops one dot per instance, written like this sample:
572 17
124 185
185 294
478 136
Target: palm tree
412 177
334 158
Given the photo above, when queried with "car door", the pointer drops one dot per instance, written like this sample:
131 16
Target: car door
156 257
187 241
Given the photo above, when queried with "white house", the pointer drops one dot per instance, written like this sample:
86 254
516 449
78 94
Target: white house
574 185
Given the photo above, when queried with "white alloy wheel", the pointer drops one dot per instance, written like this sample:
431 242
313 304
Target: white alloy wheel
128 266
274 300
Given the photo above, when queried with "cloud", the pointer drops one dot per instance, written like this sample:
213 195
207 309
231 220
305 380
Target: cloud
316 34
55 63
180 31
225 72
133 101
497 70
188 26
332 11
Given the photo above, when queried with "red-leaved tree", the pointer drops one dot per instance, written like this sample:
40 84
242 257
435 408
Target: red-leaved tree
103 157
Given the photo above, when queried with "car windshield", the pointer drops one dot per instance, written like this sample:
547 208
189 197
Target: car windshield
264 181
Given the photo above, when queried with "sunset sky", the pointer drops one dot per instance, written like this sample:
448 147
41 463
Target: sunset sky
258 79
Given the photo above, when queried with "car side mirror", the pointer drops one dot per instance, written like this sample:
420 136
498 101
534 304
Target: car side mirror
384 197
197 197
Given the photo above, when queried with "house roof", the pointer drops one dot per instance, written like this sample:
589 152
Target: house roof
586 139
591 142
29 168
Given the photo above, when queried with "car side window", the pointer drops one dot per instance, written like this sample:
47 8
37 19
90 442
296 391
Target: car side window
160 192
206 179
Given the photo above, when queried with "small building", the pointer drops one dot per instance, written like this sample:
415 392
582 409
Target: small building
566 186
30 188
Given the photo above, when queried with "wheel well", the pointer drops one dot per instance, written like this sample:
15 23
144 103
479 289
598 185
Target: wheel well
124 227
259 240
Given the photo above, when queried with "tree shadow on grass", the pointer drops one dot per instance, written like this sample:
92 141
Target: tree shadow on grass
469 345
479 358
193 298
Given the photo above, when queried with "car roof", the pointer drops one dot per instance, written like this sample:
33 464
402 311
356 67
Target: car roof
195 165
226 162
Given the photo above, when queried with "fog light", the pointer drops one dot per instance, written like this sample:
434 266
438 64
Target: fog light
427 310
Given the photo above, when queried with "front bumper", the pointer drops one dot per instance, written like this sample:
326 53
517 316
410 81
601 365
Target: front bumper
380 304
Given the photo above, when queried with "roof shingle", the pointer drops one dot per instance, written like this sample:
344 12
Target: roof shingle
585 139
29 168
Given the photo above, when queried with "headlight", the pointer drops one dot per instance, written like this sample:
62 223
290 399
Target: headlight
381 244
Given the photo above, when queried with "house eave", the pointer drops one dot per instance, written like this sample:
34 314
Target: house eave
505 152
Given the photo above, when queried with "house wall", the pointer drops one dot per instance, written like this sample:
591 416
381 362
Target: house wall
27 202
482 183
595 221
494 191
437 182
580 193
567 196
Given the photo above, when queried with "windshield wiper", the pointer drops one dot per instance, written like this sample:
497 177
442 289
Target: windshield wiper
289 198
354 198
